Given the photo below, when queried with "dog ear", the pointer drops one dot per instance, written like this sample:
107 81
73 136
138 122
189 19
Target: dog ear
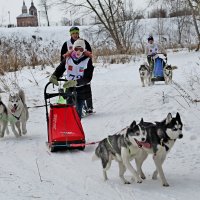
169 118
133 124
178 116
141 121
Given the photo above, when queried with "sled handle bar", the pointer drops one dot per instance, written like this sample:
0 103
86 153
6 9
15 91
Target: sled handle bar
156 54
51 95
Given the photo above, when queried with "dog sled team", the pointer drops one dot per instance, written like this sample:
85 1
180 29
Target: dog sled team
135 142
157 68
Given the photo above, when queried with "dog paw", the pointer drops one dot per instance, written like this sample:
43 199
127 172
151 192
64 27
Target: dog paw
17 135
24 132
165 185
139 181
143 176
154 177
127 182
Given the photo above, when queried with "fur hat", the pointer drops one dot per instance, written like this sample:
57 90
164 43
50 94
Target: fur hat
79 43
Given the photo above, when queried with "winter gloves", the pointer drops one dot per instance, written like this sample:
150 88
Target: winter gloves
70 83
53 79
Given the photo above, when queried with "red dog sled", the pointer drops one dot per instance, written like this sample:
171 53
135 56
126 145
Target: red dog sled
64 127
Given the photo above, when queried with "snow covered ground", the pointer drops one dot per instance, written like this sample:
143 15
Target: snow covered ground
29 171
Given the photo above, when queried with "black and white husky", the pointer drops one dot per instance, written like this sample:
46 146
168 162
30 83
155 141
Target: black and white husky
145 74
161 137
18 112
168 74
3 118
122 147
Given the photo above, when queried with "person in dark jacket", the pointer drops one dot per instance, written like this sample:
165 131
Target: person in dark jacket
66 51
67 47
78 70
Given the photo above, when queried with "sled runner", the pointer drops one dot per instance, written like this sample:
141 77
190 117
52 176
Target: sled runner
64 127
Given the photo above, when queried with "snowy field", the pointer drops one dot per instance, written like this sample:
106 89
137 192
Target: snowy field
29 171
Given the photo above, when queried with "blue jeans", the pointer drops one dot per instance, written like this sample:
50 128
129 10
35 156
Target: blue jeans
79 106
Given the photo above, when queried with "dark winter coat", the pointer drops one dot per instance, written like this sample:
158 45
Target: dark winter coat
65 49
84 89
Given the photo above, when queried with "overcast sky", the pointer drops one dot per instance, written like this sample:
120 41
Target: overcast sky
14 7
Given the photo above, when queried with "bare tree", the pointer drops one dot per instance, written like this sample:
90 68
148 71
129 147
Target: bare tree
46 5
118 20
181 20
2 18
195 7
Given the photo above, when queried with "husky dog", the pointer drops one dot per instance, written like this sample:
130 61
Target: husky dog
3 118
165 134
145 74
122 147
168 74
18 112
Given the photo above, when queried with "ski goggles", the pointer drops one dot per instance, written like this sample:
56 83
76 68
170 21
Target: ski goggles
81 49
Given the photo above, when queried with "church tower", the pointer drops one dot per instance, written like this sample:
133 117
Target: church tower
28 19
24 8
32 9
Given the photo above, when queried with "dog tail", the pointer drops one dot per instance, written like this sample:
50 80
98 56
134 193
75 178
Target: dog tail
95 157
22 96
98 150
174 67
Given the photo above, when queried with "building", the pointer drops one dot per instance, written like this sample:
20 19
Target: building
28 19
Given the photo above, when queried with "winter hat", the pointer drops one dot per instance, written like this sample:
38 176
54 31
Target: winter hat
74 29
79 43
150 38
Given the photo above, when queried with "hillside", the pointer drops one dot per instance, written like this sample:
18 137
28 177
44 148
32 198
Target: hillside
29 171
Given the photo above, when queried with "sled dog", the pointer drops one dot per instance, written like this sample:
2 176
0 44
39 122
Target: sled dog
168 74
122 147
3 118
145 74
161 136
18 112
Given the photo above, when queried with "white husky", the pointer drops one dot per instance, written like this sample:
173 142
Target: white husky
18 112
145 74
123 148
167 71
